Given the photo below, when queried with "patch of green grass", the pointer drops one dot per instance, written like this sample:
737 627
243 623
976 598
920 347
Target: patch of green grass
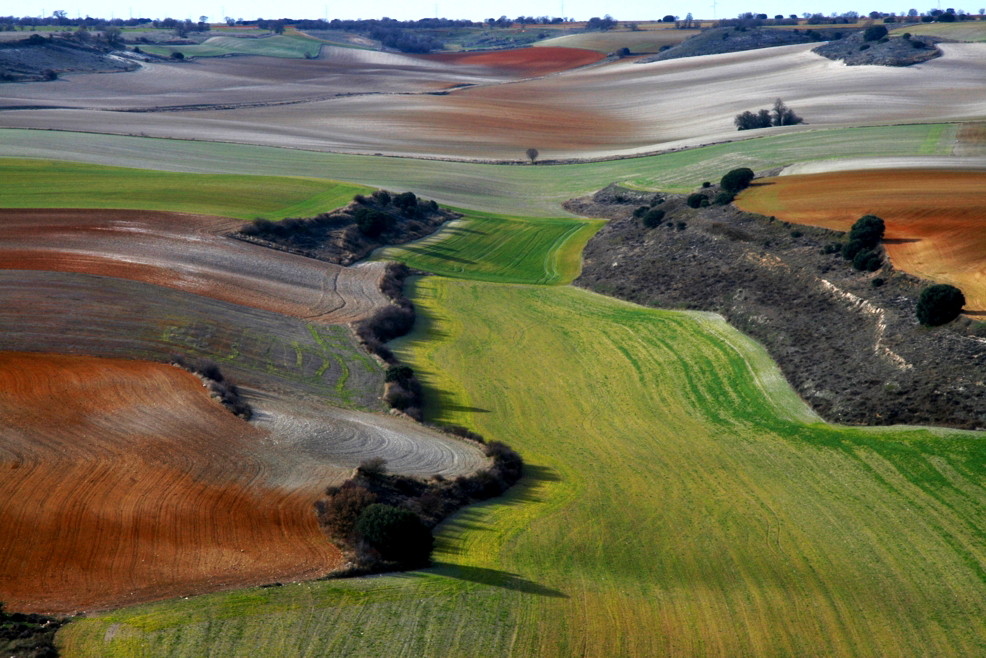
291 46
512 190
489 247
59 184
971 31
680 498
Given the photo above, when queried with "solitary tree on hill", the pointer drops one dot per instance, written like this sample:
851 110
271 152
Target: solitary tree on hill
939 304
532 154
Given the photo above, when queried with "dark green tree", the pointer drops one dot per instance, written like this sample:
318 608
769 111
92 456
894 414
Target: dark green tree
397 534
653 218
939 304
736 180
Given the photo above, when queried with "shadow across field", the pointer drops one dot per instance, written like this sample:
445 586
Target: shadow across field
496 578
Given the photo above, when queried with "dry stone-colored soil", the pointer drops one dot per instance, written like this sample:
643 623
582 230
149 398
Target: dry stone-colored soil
936 220
617 108
124 482
191 253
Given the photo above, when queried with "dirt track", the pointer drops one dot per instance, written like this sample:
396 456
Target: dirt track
936 220
190 253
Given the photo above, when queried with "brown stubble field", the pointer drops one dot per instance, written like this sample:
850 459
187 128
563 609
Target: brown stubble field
615 108
191 253
124 482
936 219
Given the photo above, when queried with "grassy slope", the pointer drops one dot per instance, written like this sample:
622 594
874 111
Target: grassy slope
515 190
673 506
974 31
54 184
490 247
292 46
680 499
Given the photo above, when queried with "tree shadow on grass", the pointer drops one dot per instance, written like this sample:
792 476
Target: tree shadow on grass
495 578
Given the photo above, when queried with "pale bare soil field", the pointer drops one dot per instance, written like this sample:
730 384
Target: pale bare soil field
124 482
617 108
190 253
936 220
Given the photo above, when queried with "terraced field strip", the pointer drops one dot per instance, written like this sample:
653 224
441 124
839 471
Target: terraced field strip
681 500
490 247
513 190
294 46
58 184
936 220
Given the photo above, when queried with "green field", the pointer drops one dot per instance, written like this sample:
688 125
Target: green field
512 190
292 46
681 499
57 184
972 31
489 247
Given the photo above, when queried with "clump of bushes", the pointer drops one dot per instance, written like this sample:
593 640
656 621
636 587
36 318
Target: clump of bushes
697 200
383 521
212 378
653 218
780 115
736 180
864 239
939 304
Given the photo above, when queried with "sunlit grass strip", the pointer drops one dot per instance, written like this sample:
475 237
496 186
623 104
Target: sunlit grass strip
513 190
59 184
293 46
490 247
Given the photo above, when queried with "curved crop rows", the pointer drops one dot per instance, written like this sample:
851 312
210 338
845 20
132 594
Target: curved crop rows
491 247
190 253
935 219
680 499
124 482
587 112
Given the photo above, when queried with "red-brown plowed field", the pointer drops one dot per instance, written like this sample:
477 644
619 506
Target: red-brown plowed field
524 61
123 482
190 253
936 220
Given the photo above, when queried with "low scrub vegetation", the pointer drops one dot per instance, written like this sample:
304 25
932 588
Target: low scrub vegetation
27 635
402 388
383 521
349 234
212 378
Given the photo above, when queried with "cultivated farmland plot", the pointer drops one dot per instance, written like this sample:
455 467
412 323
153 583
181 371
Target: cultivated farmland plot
678 498
582 113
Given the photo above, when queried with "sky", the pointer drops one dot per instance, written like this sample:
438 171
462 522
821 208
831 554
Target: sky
217 10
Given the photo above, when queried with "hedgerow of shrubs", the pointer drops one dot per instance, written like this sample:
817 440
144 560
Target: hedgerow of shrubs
212 378
383 521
